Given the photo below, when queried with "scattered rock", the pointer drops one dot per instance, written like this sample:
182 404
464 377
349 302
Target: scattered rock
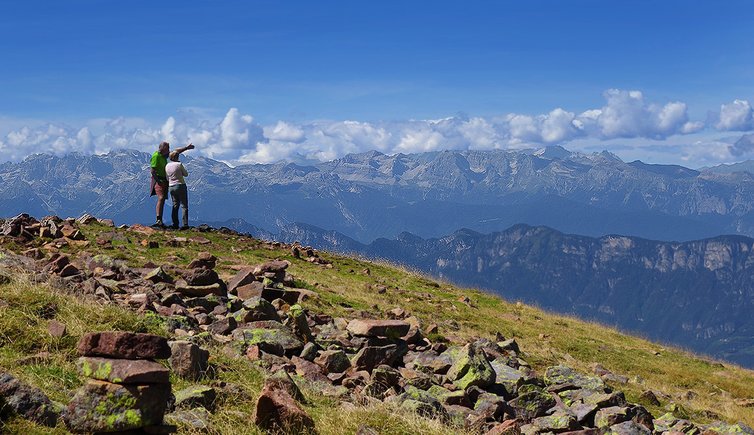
188 360
27 401
56 329
124 345
158 275
334 361
196 396
277 410
378 328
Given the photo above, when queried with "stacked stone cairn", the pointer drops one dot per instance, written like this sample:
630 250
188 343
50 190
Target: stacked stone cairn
126 389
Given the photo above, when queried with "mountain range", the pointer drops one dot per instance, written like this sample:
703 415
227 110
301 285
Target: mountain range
372 195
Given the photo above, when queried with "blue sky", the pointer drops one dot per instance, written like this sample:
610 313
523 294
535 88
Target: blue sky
258 81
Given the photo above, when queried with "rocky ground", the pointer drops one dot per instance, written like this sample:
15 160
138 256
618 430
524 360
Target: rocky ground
478 385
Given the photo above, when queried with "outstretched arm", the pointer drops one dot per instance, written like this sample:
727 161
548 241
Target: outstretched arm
186 148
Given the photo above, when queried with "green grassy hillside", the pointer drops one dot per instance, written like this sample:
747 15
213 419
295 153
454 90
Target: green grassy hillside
703 389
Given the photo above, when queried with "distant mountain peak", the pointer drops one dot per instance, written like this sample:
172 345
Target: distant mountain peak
553 152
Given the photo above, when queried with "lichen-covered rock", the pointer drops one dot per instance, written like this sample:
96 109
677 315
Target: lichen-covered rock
299 323
422 403
490 406
123 371
256 309
129 345
562 375
105 407
471 369
197 419
531 404
27 401
612 415
555 423
729 429
270 338
195 396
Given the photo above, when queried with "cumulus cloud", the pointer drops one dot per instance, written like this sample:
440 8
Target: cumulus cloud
236 137
626 115
735 116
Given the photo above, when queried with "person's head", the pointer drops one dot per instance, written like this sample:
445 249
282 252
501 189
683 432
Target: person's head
164 148
175 156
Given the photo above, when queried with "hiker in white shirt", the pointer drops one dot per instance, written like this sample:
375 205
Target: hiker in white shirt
175 172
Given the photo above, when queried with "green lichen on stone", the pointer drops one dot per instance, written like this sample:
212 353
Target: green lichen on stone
555 422
296 311
724 428
559 375
471 369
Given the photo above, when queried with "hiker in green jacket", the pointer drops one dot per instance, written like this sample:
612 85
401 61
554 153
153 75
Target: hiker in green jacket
159 185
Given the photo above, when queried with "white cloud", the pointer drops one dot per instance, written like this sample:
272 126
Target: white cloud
235 137
735 116
284 132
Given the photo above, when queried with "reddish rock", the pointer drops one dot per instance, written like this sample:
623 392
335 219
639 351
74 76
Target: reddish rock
34 253
124 371
243 277
69 270
370 357
200 277
184 288
58 263
308 370
72 233
223 326
248 291
188 360
124 345
56 329
203 260
334 361
277 410
508 427
275 267
378 328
